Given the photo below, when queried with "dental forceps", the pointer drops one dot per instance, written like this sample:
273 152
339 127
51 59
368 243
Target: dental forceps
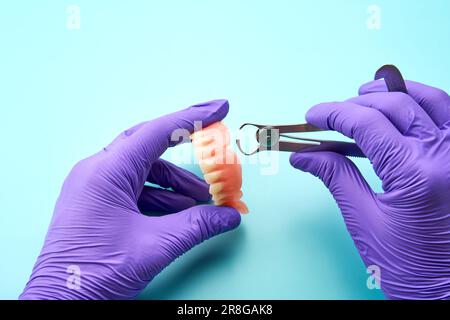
269 136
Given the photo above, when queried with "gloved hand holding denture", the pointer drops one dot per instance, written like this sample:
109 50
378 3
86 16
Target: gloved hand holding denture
99 245
405 231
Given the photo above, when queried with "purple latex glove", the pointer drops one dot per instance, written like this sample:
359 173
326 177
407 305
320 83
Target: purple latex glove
99 245
405 231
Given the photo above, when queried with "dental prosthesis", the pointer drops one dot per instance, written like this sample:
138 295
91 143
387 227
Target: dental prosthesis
220 166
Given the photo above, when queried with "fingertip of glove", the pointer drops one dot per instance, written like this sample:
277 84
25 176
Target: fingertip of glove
220 106
230 218
217 219
297 160
318 115
211 111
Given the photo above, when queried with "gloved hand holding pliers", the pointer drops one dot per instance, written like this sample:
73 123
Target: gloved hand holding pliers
405 231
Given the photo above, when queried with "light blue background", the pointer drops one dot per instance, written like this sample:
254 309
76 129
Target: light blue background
64 94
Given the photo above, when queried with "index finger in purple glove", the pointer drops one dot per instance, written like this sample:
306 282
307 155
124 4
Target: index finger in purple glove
145 142
372 131
125 134
434 101
410 119
149 142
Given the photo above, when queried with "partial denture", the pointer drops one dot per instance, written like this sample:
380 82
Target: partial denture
220 166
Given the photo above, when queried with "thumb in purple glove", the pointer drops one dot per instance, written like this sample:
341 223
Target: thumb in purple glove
99 245
404 231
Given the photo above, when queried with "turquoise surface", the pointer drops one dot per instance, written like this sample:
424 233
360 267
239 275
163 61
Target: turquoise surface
67 93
